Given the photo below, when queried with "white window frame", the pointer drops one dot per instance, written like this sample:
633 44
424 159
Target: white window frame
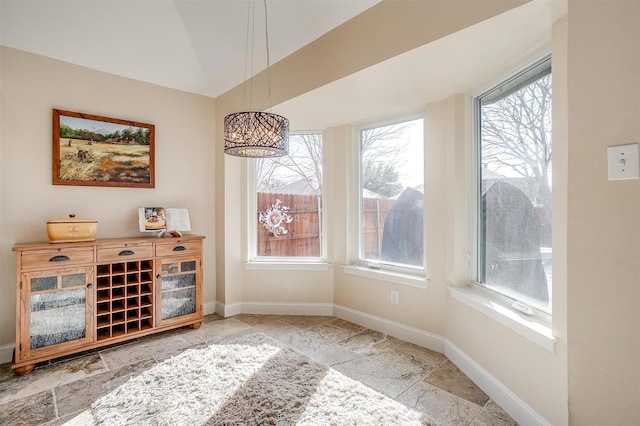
503 298
537 327
283 262
408 275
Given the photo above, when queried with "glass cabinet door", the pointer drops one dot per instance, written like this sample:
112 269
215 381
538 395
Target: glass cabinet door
58 306
177 282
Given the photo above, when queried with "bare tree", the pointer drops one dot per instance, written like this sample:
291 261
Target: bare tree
382 149
516 136
304 162
381 152
265 167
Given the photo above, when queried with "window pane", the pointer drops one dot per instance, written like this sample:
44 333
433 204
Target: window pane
392 188
74 280
289 200
515 200
57 317
44 283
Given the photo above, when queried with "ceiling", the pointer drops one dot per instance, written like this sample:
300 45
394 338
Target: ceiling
200 46
468 61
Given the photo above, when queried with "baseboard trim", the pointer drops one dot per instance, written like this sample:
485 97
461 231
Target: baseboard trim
6 353
401 331
268 308
228 310
517 408
209 308
265 308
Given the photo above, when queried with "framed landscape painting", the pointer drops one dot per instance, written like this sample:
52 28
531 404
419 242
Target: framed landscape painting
99 151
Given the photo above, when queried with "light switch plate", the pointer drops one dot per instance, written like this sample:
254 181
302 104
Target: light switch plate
622 162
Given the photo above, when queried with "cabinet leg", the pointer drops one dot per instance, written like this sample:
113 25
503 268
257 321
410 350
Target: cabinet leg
196 325
21 371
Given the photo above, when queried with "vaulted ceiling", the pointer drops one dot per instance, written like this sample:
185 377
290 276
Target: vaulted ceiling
200 46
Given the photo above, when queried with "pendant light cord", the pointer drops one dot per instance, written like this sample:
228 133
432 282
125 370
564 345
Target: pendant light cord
249 50
256 134
248 66
266 37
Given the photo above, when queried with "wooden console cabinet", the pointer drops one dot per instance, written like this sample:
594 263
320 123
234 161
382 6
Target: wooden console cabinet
71 297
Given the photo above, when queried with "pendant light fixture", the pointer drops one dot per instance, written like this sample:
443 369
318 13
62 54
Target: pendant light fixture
256 134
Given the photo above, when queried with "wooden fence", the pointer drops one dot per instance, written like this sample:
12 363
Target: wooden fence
303 237
374 213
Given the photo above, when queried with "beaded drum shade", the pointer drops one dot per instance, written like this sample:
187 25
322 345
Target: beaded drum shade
256 134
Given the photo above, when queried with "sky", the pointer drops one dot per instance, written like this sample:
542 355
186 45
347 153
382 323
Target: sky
413 174
101 127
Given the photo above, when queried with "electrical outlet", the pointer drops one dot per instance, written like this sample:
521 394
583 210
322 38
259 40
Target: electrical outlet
394 297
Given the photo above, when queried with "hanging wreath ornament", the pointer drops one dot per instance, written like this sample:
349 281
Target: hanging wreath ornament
275 217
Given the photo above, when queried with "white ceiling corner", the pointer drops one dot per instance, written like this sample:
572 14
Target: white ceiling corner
199 46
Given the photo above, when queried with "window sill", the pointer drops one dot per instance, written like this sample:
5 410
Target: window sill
394 277
287 266
536 329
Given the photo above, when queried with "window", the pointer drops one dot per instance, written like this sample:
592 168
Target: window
287 217
391 219
513 193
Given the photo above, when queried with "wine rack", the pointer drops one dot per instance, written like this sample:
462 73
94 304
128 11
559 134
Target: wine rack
124 298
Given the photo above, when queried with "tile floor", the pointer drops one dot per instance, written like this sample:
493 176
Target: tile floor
422 379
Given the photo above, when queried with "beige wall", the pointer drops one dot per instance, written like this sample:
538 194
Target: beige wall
511 358
397 26
419 308
536 376
31 86
603 226
596 296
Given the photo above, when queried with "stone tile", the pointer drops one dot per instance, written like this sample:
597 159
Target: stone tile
308 342
87 352
493 415
197 347
82 418
390 372
211 318
305 321
79 395
425 355
33 410
333 355
6 372
369 342
276 329
329 333
215 331
441 406
157 346
449 377
338 322
303 341
50 376
416 376
252 319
